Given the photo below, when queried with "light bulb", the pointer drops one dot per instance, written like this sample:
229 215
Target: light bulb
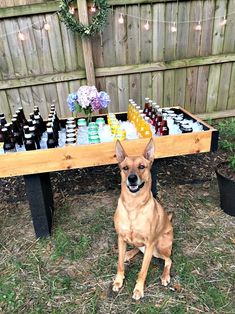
47 26
71 10
121 19
224 21
147 26
174 28
93 8
21 36
198 27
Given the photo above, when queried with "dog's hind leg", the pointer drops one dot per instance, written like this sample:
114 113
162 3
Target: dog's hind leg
130 254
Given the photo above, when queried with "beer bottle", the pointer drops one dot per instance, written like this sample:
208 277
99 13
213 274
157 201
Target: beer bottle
35 135
164 130
9 143
39 117
3 120
22 115
146 105
17 133
29 141
51 143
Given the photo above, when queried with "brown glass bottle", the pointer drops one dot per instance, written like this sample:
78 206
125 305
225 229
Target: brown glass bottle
9 143
29 142
51 142
17 132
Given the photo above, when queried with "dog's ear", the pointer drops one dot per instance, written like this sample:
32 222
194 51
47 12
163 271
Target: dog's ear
149 151
120 153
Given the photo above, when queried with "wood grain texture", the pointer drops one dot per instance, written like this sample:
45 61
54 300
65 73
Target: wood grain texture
99 154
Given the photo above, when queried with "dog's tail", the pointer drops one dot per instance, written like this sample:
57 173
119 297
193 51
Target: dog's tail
170 215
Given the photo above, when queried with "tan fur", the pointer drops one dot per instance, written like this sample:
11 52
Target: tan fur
141 221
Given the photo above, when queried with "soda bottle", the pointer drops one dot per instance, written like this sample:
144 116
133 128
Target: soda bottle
146 105
164 130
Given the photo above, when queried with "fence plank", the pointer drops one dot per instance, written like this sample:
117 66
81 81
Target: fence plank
213 85
123 92
231 96
146 86
4 105
146 36
205 50
120 37
157 84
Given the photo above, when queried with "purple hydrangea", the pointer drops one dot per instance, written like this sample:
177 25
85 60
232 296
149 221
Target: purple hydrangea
72 99
104 99
96 104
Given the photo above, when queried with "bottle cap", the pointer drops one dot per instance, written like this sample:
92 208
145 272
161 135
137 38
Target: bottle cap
49 130
146 99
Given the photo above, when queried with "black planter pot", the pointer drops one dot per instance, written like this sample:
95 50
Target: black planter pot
227 193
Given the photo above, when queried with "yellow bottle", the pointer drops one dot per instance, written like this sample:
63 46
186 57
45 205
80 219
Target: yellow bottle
129 108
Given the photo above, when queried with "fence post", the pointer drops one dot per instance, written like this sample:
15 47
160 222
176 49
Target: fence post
86 43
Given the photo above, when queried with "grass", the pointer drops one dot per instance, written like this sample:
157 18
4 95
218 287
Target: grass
72 271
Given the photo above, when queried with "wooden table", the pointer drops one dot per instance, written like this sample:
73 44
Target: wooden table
36 165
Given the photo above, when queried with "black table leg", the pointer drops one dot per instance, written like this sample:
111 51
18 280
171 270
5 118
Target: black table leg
40 196
154 178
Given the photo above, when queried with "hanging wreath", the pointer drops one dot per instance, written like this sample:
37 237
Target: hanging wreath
98 20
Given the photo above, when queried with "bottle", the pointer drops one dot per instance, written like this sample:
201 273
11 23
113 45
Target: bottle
164 130
158 122
51 143
17 133
9 144
39 120
35 135
146 105
29 142
22 115
129 108
3 120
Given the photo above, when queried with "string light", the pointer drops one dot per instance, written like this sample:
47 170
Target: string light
93 8
224 21
47 26
71 10
121 19
146 25
21 36
174 28
198 27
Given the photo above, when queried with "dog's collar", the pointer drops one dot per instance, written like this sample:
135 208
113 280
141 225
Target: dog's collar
136 187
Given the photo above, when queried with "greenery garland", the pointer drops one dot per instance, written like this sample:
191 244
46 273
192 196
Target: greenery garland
98 20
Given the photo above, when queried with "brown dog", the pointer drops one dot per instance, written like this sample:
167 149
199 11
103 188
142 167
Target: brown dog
140 220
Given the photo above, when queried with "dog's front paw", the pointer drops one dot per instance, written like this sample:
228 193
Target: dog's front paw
165 280
118 282
138 292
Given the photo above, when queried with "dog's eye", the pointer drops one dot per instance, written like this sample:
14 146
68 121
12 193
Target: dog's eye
125 168
141 167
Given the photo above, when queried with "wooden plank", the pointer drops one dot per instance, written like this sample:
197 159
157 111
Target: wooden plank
193 50
4 105
6 64
158 32
205 50
217 114
131 2
229 41
14 99
86 43
134 87
56 46
63 91
70 157
157 78
133 34
146 36
223 88
218 31
231 95
181 51
213 85
169 88
162 66
52 97
123 92
120 33
146 86
32 9
111 89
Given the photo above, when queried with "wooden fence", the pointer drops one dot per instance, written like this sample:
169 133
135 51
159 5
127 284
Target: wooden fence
190 68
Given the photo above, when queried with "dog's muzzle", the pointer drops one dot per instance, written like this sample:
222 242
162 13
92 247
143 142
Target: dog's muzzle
133 183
